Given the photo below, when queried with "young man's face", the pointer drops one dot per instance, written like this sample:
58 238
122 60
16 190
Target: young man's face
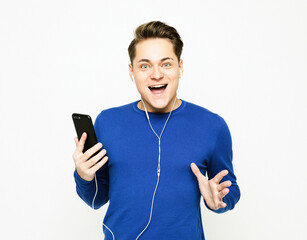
156 64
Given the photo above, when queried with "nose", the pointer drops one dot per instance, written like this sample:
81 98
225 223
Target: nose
156 74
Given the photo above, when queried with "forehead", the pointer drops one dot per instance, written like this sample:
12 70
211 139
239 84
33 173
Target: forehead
154 49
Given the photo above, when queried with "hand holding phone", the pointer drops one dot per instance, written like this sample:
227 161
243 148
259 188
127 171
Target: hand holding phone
87 161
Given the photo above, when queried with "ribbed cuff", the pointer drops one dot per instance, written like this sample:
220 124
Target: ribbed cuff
80 180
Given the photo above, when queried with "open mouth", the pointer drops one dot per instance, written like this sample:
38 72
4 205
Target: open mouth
158 89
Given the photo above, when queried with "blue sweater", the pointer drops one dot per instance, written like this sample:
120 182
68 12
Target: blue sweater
128 179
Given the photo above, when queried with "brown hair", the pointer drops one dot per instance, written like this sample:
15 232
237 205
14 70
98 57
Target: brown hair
155 29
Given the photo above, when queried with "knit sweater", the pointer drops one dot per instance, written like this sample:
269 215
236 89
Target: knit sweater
128 179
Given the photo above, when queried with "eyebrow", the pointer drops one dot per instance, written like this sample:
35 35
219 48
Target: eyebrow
163 59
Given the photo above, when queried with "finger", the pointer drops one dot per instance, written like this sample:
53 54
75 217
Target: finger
91 151
223 185
220 175
196 171
93 160
222 205
77 152
97 166
76 141
223 193
81 142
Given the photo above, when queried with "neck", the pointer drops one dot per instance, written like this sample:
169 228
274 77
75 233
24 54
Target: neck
177 104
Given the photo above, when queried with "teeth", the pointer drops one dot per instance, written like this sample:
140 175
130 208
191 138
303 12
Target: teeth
158 86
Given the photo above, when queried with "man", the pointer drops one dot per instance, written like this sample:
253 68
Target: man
159 150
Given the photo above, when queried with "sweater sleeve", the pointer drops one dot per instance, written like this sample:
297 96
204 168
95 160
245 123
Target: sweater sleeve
222 159
87 189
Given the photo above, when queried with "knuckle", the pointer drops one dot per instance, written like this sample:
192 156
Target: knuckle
103 161
96 159
93 160
88 154
101 154
81 142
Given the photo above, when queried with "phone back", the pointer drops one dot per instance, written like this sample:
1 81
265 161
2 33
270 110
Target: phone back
83 123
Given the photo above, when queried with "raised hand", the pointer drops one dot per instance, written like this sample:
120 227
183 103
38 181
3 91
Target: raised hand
211 190
87 167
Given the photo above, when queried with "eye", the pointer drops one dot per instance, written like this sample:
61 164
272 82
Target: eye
144 66
166 64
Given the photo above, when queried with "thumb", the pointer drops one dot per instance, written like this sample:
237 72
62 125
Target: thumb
196 171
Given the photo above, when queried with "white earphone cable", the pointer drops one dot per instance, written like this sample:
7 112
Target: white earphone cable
93 205
158 170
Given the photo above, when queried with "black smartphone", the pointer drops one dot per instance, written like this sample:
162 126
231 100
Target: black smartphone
83 123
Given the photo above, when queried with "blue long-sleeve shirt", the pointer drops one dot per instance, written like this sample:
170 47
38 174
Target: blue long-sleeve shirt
128 179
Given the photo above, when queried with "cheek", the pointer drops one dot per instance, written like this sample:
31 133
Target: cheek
141 77
174 81
140 85
175 85
173 74
174 77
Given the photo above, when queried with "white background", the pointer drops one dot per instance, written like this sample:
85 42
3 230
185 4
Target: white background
245 60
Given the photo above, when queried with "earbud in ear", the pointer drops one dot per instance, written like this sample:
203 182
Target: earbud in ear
180 73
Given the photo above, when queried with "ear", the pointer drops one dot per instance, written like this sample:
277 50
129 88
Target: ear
181 67
131 72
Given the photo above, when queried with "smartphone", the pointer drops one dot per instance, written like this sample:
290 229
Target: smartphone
83 123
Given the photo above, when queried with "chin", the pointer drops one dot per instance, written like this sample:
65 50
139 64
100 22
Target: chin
159 104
